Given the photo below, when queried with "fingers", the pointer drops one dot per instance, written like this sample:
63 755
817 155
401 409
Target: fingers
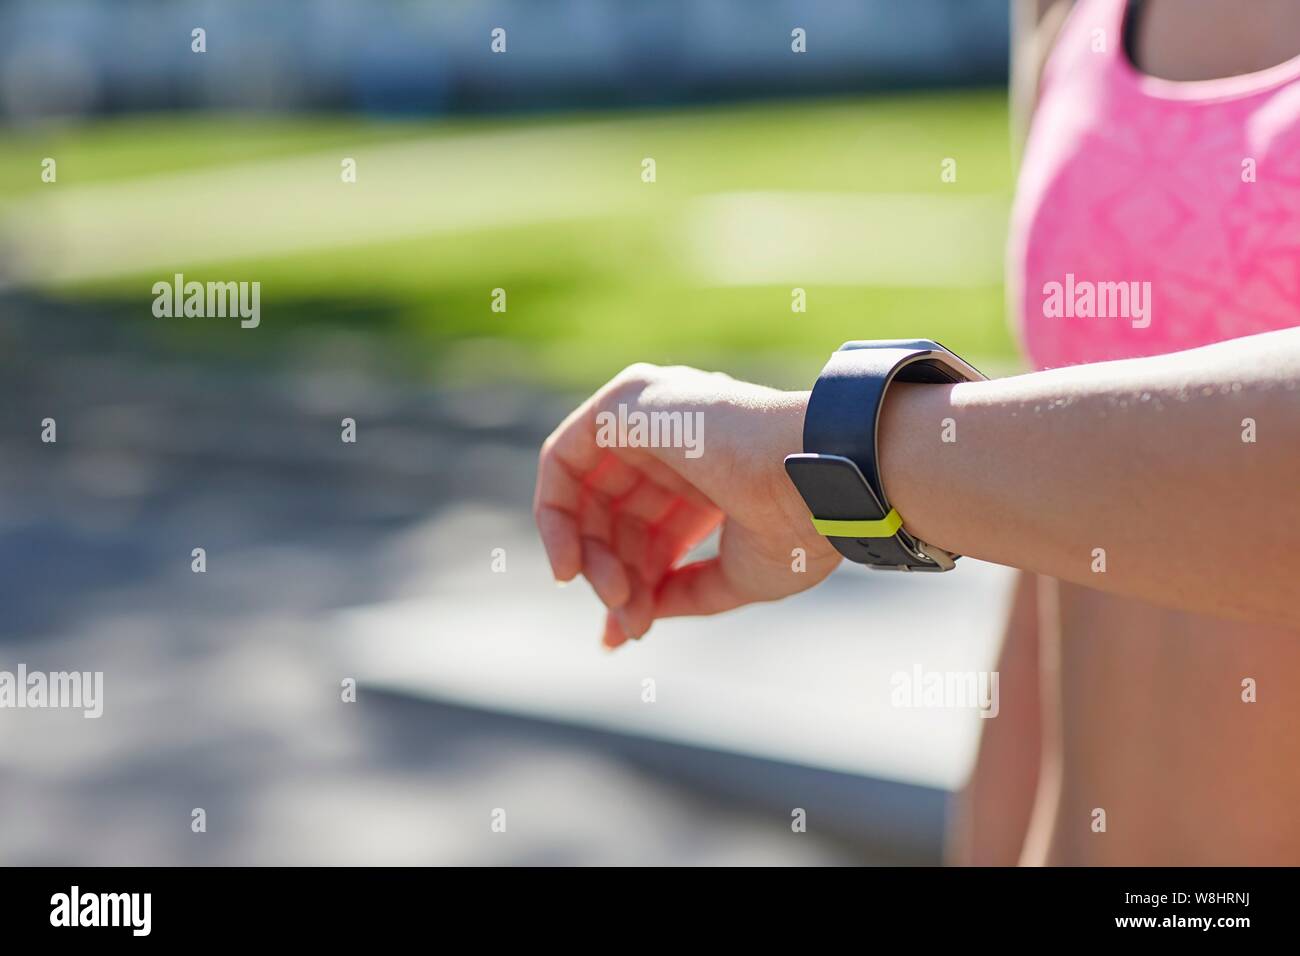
647 552
577 478
559 531
699 588
633 543
556 504
694 589
681 529
566 457
620 517
607 574
635 617
626 548
647 501
613 635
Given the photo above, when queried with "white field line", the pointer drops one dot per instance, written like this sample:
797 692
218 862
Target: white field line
918 239
431 187
473 182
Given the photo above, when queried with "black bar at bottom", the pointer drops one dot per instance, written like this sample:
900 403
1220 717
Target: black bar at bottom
333 906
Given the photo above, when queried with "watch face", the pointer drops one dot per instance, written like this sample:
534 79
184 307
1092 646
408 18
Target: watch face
833 488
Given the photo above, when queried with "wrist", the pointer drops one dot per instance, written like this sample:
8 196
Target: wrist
917 423
786 438
853 419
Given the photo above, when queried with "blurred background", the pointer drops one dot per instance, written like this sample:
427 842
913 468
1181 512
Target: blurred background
479 689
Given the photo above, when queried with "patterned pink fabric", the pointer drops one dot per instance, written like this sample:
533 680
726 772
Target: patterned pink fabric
1132 179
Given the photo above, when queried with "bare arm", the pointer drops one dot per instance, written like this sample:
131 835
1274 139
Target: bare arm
1140 461
991 813
1143 458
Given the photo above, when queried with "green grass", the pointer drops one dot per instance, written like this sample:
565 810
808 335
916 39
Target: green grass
586 294
108 150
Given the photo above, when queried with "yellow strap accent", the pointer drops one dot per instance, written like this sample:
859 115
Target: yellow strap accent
885 527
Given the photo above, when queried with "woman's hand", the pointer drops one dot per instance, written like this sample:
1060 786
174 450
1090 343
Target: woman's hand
623 515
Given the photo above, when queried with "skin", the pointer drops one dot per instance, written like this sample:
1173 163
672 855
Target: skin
625 517
1025 761
1120 689
1031 482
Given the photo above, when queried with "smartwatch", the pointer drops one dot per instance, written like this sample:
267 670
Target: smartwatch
838 473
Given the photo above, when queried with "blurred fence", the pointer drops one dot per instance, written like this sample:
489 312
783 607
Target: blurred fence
84 56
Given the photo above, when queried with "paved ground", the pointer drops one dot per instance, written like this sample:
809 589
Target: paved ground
329 560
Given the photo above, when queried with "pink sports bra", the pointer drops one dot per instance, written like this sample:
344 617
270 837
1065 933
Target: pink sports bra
1152 215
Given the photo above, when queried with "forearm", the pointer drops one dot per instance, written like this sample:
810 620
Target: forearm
1143 459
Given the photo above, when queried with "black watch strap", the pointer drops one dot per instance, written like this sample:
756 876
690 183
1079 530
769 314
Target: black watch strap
839 472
